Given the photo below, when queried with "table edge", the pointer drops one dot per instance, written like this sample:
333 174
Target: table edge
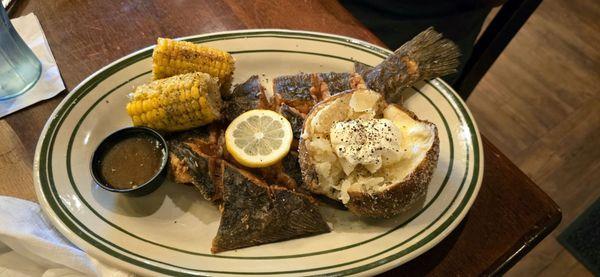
545 225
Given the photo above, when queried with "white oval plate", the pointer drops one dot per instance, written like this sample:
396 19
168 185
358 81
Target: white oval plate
170 230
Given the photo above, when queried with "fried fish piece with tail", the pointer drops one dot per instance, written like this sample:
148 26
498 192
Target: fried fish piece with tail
428 55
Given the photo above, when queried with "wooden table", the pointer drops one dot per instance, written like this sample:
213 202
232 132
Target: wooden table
509 217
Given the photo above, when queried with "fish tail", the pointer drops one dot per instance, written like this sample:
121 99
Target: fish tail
434 55
428 55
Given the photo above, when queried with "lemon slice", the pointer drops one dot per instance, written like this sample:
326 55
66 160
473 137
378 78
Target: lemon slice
258 138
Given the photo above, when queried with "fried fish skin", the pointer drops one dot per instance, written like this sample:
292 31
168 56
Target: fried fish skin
255 213
295 118
189 165
249 95
428 55
295 90
291 167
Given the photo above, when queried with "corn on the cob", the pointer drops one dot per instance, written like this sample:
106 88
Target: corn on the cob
176 103
171 57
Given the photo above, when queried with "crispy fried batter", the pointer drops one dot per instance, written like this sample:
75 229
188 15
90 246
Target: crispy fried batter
197 169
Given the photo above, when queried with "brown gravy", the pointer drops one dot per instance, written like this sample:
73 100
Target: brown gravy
131 162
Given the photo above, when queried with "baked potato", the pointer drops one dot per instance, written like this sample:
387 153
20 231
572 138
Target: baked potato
374 157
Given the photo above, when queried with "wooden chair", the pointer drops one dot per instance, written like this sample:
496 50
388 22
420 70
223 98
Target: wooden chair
505 25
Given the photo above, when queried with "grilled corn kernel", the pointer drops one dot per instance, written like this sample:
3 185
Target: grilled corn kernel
171 57
176 103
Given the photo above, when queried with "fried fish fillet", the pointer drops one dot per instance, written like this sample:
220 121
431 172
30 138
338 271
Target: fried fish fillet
244 97
291 167
258 206
255 213
189 165
295 118
297 87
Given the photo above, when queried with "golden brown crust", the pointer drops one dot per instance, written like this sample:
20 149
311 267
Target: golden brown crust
178 171
385 204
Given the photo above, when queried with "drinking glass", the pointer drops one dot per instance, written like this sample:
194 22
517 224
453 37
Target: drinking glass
19 67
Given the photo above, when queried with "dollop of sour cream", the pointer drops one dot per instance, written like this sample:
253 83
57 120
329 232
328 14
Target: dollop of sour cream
367 142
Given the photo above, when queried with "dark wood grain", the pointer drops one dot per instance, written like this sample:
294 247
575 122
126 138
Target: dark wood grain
509 216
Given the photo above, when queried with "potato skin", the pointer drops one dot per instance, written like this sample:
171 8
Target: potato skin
309 174
307 165
385 204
